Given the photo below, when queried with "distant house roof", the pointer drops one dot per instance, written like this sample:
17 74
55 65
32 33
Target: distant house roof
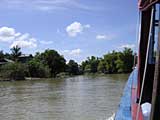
5 60
24 58
24 55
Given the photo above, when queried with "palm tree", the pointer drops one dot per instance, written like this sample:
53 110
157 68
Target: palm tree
16 52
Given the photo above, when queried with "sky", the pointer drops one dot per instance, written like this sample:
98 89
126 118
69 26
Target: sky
75 28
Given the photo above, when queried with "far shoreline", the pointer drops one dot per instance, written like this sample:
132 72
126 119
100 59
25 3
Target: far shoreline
62 77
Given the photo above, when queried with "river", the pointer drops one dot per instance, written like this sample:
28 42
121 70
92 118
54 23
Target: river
89 97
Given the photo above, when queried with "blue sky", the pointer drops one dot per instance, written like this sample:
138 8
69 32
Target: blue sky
75 28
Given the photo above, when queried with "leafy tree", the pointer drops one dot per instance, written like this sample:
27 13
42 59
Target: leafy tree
110 63
87 68
120 65
72 67
80 69
8 56
91 64
102 66
110 60
83 65
54 60
50 63
13 71
128 59
16 52
37 69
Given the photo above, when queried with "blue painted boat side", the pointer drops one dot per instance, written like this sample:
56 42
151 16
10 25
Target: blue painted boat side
124 110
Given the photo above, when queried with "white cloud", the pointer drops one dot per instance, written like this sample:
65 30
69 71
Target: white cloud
74 52
87 26
127 46
9 35
105 37
46 42
33 39
6 31
99 37
24 36
17 34
76 28
24 44
24 41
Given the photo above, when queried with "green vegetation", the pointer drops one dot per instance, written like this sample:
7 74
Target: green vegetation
54 61
37 69
1 55
13 71
51 64
15 53
90 65
72 68
114 62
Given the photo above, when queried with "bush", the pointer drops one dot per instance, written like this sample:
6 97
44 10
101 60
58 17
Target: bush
13 71
37 69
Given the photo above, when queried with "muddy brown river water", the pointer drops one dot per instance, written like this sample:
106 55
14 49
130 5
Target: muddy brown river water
89 97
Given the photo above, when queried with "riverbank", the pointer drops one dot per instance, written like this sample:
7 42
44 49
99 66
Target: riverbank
63 76
50 64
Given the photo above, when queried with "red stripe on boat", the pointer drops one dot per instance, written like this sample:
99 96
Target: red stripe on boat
134 105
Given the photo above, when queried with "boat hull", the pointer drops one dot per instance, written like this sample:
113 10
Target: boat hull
128 105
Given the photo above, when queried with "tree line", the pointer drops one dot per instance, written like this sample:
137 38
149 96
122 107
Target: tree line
51 64
113 62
